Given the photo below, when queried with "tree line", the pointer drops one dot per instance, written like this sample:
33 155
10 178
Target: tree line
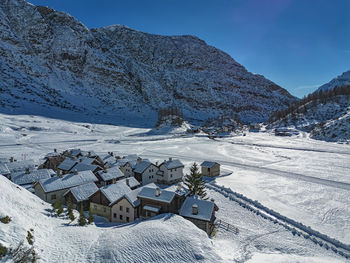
317 97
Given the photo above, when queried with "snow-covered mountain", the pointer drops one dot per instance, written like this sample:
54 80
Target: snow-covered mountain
339 81
326 114
49 60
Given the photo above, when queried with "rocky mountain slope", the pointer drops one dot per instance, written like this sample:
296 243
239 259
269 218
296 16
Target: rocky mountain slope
49 60
325 113
339 81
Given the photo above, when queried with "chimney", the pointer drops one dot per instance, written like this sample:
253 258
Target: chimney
127 181
157 191
195 209
12 159
75 172
212 200
104 170
112 153
80 160
55 150
179 186
170 159
156 163
89 154
27 171
59 173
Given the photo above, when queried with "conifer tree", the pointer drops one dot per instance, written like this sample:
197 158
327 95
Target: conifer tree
70 209
59 208
82 219
195 182
91 217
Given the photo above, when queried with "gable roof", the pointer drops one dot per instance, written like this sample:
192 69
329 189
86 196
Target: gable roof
4 169
132 182
111 173
83 192
174 188
150 193
114 191
85 167
32 177
142 166
21 165
171 164
67 164
68 181
205 208
132 195
208 164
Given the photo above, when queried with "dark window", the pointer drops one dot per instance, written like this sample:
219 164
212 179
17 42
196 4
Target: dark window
148 213
127 209
114 215
121 208
127 219
121 217
104 209
53 197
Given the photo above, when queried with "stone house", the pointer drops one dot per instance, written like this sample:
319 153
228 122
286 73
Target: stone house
145 172
52 189
210 169
170 172
109 176
199 212
79 195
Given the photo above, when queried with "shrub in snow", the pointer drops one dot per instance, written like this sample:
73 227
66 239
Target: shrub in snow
91 217
82 219
22 254
70 210
3 251
5 220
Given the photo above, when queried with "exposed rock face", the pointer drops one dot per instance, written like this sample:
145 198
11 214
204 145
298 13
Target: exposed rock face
50 60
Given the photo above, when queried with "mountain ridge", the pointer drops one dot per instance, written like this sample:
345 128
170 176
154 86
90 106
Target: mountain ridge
52 60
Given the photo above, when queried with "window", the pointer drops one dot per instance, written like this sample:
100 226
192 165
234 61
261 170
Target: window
149 170
171 175
149 177
175 169
148 213
104 209
127 219
127 209
53 197
120 208
121 217
114 215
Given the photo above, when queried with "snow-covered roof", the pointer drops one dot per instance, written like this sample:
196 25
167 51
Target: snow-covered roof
4 169
75 152
68 181
83 192
178 190
150 193
131 182
151 208
32 177
111 173
21 165
113 192
171 164
85 167
132 195
67 164
86 160
208 164
110 159
205 208
142 166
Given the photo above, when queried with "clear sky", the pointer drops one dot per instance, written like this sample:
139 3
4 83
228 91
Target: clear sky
298 44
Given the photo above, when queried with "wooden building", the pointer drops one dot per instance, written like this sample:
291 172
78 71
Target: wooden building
210 169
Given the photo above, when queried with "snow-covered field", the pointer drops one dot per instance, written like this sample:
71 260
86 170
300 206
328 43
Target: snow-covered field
304 179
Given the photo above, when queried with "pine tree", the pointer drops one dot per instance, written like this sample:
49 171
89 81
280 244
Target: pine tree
82 219
91 217
70 210
195 182
59 208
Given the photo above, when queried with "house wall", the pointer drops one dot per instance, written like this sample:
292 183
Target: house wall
101 210
204 225
127 170
59 196
149 175
116 212
39 191
170 176
214 171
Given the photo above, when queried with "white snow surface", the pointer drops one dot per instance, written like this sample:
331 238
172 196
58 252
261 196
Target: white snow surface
304 179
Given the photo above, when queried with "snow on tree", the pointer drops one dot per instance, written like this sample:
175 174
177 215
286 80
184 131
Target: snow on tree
195 182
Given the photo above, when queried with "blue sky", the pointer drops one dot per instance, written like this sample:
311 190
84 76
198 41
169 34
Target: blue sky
298 44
